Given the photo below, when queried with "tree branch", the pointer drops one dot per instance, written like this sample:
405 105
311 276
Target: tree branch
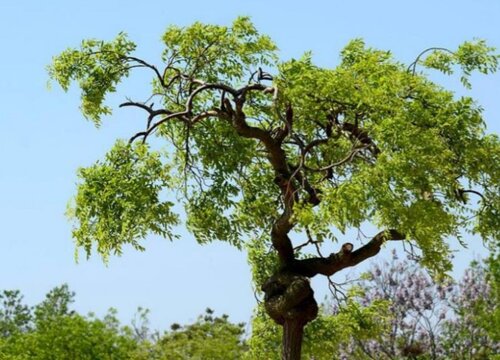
413 65
150 66
276 154
180 114
277 157
345 257
348 158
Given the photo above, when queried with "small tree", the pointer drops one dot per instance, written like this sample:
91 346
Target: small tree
428 320
210 337
51 330
15 317
468 334
255 157
418 308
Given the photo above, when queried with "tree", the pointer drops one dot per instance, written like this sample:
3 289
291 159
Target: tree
51 330
428 320
15 317
490 319
471 334
328 333
257 158
418 308
210 337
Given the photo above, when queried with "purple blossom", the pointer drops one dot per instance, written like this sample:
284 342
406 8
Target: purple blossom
432 319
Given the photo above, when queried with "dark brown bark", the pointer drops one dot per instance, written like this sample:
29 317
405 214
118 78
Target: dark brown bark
289 301
293 332
278 160
345 257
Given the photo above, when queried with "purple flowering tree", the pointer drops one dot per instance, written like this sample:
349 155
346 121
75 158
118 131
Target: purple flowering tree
428 320
465 336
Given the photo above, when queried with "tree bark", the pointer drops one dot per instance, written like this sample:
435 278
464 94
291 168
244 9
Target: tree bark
346 257
289 301
293 331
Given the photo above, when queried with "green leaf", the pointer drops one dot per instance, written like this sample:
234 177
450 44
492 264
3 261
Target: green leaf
119 200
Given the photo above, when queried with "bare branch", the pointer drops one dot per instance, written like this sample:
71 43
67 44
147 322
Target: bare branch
310 241
152 113
204 115
348 158
177 115
335 290
413 65
287 129
463 191
262 75
147 65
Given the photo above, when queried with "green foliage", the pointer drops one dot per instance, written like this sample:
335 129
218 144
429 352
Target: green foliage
488 319
15 317
399 148
369 141
265 337
475 332
210 337
221 161
211 212
264 263
471 56
98 67
76 337
53 331
429 144
218 53
56 305
119 200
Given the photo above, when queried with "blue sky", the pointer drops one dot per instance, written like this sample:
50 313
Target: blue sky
44 138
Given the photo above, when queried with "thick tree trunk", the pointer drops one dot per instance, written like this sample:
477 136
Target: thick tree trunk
293 331
289 301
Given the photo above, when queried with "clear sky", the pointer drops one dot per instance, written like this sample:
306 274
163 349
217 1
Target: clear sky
43 137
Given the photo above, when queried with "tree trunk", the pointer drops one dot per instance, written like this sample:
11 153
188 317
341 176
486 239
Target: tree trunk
289 301
293 331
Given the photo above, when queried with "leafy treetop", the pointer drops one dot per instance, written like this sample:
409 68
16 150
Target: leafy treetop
254 157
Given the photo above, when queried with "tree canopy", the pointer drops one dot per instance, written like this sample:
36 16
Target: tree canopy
52 330
259 149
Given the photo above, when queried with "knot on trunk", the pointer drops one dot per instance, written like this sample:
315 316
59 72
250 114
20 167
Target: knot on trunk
289 296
